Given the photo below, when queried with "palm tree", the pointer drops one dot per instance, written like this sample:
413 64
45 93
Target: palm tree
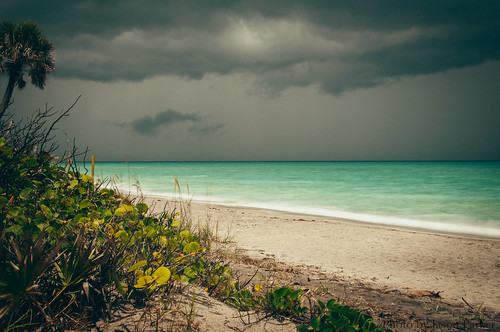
23 49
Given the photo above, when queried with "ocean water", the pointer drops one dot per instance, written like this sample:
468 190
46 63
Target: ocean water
442 197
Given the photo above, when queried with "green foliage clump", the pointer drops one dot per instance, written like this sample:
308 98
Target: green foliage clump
68 246
333 316
286 301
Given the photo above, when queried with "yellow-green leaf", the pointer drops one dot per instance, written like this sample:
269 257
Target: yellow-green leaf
143 281
86 178
163 240
137 265
161 275
73 184
192 247
123 210
123 235
83 220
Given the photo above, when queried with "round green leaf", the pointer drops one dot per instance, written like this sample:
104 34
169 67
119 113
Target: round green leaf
192 247
141 207
161 275
123 210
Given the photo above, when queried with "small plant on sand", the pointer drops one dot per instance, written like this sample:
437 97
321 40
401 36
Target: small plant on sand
333 316
285 301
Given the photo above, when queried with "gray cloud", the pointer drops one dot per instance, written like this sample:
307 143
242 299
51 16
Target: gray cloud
209 129
336 46
150 126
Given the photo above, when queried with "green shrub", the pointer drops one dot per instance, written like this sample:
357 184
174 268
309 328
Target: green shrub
336 317
285 301
67 245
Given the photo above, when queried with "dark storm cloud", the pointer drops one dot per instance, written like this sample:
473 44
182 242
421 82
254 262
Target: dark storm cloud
150 126
335 45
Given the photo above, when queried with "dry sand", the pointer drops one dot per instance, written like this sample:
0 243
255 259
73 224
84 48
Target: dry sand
380 257
400 259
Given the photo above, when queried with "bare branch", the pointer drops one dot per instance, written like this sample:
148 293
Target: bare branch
63 114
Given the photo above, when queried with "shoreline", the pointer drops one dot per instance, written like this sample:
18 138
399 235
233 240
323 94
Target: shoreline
425 230
383 257
328 218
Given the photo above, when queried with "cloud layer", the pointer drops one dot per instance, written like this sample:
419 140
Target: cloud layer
150 126
336 46
273 80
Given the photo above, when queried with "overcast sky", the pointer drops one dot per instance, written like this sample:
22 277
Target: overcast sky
272 80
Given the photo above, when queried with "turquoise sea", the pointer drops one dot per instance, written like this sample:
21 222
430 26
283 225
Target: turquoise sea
442 197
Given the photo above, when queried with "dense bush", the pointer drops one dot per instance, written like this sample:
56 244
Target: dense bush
67 245
333 316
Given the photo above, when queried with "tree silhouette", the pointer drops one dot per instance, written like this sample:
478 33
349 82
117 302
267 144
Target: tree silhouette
23 49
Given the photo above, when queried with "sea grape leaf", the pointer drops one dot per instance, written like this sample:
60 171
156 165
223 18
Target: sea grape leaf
189 272
143 281
73 184
141 207
14 212
84 220
25 193
87 178
123 210
49 194
121 234
161 275
85 203
192 247
137 265
315 322
16 229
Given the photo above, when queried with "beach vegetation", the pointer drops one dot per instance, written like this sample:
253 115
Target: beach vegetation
24 48
70 248
333 316
285 301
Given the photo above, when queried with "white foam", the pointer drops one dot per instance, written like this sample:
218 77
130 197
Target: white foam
465 229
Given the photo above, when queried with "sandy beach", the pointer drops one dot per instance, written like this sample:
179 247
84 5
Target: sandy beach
405 260
460 269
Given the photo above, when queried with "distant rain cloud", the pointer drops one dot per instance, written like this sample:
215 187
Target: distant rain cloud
151 125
